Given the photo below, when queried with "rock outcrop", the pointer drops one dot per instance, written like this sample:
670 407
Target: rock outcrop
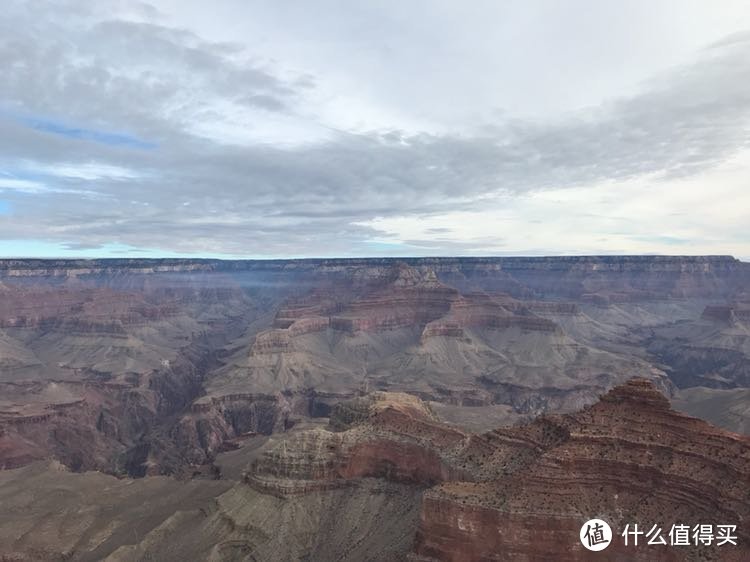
628 459
387 481
523 492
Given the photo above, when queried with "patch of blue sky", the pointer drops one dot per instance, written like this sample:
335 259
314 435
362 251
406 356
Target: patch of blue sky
390 248
4 207
385 246
111 138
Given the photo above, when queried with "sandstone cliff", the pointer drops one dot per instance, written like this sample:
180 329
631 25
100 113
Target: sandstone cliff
522 493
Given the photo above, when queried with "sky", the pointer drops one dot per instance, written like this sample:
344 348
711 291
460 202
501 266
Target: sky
321 128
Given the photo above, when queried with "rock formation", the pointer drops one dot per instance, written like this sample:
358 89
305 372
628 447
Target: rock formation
522 493
155 366
386 480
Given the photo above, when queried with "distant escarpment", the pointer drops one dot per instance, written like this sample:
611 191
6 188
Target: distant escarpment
522 493
612 277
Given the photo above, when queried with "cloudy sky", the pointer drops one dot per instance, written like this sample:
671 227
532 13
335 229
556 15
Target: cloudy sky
242 128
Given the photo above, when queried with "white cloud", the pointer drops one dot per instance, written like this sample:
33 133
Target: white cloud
85 171
346 128
22 185
440 66
644 215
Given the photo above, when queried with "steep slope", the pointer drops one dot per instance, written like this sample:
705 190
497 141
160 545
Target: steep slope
628 459
51 514
711 351
91 367
523 493
728 408
387 481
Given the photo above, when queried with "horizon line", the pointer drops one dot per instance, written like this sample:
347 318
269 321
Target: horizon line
366 257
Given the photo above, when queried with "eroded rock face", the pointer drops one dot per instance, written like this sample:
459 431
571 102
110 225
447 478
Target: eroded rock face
146 367
399 327
404 297
387 481
95 424
712 351
627 459
382 435
524 492
149 366
93 364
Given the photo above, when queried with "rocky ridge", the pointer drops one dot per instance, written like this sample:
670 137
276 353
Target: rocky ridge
526 490
386 480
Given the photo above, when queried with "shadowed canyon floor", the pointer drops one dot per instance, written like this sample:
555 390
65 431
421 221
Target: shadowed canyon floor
368 409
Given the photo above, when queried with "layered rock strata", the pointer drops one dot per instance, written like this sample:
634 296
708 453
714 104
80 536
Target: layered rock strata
523 492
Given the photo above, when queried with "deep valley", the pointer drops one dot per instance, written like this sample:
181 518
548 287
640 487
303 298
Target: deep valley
369 409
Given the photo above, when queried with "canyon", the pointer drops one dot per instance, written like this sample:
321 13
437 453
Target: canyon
370 409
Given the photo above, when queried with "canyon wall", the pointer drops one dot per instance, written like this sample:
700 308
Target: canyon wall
155 366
